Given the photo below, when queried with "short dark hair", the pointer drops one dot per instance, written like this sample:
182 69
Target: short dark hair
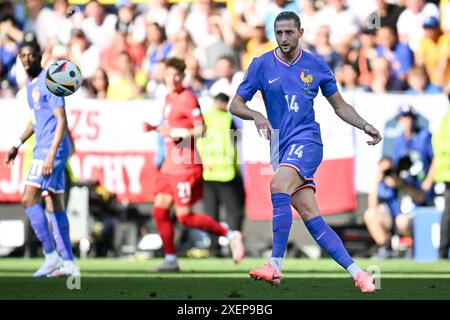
32 44
222 97
288 15
175 63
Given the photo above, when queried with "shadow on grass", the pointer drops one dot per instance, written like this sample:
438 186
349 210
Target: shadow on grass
214 288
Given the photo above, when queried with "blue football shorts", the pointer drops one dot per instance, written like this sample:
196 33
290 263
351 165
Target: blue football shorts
303 157
54 182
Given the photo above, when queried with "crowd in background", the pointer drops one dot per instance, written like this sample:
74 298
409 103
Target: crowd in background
373 45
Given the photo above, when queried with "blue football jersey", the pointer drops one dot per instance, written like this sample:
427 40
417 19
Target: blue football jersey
42 104
288 91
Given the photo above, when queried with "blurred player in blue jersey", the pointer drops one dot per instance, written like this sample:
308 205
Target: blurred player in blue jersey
46 175
289 79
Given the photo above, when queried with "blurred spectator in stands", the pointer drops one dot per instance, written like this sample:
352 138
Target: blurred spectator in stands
122 85
109 56
193 79
182 45
177 16
10 37
85 56
257 43
130 21
342 23
158 11
399 55
347 78
362 9
38 21
97 85
441 146
221 43
158 48
388 14
413 157
59 26
155 86
98 26
434 52
245 14
361 58
309 21
418 82
410 21
272 9
228 79
383 208
223 185
445 15
382 80
323 48
198 23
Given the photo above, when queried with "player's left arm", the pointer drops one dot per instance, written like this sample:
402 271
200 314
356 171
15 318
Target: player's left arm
60 131
347 113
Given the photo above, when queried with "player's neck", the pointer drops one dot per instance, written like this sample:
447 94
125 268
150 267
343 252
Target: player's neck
176 90
290 57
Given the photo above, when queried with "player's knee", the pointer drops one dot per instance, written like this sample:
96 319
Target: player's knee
183 218
369 215
279 186
403 223
306 212
28 200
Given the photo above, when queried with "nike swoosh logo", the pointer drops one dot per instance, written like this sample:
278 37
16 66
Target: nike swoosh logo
273 80
321 235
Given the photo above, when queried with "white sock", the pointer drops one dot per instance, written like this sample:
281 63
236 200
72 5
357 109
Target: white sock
68 263
354 269
276 263
52 256
171 257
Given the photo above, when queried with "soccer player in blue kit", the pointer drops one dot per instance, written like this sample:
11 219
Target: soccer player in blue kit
46 175
289 80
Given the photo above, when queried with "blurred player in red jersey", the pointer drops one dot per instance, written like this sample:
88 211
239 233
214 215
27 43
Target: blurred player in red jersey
180 181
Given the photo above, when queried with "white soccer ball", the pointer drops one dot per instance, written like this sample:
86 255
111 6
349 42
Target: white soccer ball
63 78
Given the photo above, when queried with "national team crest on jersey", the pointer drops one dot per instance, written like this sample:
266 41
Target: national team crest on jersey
36 95
306 78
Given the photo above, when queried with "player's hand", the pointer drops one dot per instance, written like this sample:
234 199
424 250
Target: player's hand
164 130
147 127
263 126
427 184
9 159
47 169
371 131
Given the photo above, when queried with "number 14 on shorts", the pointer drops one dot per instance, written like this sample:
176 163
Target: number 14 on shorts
296 150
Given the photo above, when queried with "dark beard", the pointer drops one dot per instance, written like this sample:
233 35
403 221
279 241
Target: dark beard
33 72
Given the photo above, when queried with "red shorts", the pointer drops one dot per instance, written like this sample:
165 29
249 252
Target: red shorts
186 190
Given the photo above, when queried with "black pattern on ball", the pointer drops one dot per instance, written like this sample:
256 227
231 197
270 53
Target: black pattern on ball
72 73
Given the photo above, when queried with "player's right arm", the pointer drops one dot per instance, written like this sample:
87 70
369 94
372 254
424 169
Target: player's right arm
12 153
245 92
240 109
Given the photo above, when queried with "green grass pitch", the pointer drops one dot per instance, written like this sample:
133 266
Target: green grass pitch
220 279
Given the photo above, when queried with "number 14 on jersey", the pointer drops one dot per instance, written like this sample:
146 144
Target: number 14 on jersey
291 103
